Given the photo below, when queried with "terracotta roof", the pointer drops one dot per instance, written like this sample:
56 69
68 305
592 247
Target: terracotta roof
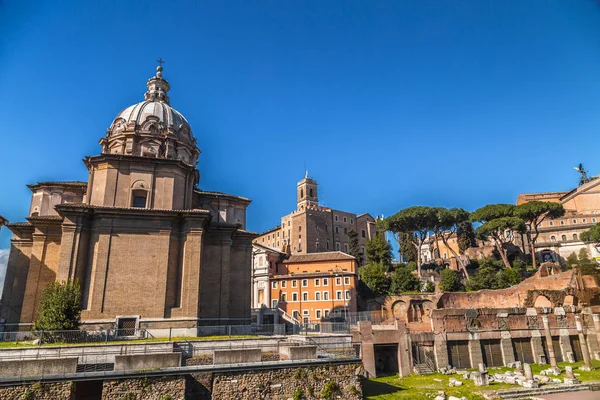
221 194
325 256
91 206
52 183
45 218
274 250
271 230
22 223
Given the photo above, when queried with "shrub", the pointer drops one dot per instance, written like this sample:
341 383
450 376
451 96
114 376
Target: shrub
428 287
450 281
330 390
373 275
404 281
59 307
299 394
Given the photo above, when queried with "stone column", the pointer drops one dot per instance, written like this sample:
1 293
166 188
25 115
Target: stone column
508 352
404 359
549 343
440 348
584 347
475 350
565 345
367 348
596 318
527 371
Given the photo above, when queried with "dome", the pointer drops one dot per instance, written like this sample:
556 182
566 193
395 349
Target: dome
152 128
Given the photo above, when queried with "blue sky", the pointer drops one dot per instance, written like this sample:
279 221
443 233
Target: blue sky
388 103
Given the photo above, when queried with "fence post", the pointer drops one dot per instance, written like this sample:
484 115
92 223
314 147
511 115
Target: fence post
170 333
106 336
41 338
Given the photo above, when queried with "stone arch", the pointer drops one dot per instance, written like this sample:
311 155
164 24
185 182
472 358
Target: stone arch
399 309
420 310
542 301
140 184
570 300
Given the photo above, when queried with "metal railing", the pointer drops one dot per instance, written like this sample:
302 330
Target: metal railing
74 337
106 336
94 361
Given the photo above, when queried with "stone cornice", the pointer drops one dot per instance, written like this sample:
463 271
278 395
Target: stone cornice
89 160
80 208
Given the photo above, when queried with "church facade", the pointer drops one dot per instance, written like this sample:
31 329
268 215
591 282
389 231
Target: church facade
148 247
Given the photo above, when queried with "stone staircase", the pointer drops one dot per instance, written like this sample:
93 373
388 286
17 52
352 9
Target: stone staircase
523 393
423 369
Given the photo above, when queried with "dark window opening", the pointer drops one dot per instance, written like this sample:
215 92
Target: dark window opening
139 199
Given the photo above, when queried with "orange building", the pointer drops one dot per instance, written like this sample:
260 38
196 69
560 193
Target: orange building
315 287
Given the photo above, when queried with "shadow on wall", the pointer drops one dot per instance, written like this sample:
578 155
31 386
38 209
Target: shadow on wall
13 296
3 264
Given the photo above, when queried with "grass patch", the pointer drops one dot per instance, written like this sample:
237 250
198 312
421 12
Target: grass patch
425 387
29 343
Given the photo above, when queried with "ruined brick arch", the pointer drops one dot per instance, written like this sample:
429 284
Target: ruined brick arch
399 309
542 301
419 310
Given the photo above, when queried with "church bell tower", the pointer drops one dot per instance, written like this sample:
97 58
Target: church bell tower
307 193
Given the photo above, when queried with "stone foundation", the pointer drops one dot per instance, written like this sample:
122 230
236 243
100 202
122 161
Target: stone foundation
38 391
281 384
343 380
145 388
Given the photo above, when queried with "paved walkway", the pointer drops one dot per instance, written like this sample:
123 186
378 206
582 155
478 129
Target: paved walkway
583 395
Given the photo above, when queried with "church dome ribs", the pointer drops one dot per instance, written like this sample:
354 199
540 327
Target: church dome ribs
152 128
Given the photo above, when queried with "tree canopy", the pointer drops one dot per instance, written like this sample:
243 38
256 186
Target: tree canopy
446 226
59 307
465 236
353 248
379 250
533 214
491 212
403 281
407 248
375 278
416 221
592 235
492 275
498 226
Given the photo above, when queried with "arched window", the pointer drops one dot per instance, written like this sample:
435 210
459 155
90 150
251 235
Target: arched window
301 193
563 238
574 236
310 190
553 238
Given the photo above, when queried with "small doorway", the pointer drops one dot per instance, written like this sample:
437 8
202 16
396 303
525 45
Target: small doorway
523 350
458 354
492 352
422 353
386 359
576 346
